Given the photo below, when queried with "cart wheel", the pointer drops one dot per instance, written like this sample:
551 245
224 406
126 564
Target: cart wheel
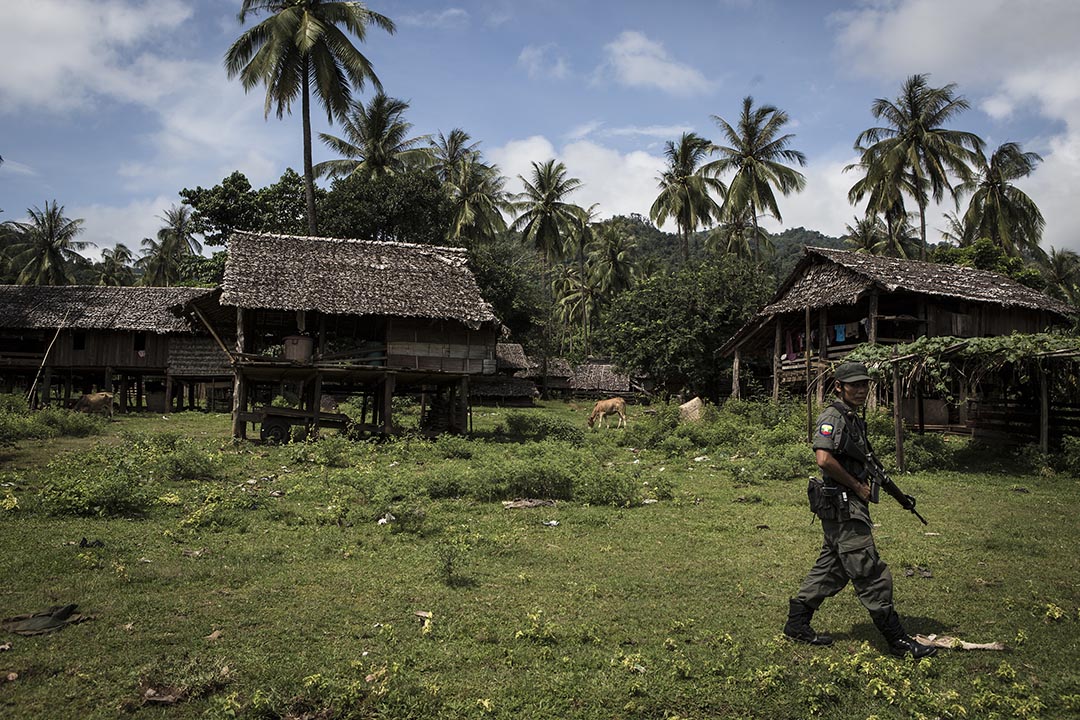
274 432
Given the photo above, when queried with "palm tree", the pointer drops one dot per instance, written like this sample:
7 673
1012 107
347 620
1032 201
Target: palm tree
43 249
914 152
756 153
685 187
612 260
546 217
175 241
740 236
901 239
449 152
998 209
867 235
955 231
376 141
300 49
478 199
115 266
1061 268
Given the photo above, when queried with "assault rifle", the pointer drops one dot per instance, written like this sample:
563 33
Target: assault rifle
880 479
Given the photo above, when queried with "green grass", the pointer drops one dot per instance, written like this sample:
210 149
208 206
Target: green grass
625 610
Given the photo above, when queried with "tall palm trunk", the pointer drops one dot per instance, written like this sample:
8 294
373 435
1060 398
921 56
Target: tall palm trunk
922 230
757 235
309 173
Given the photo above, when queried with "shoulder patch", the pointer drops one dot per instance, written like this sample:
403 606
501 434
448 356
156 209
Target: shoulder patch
825 429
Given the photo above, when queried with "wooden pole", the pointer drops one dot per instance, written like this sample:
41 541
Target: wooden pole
388 398
823 351
318 404
1044 410
168 393
777 363
809 405
898 421
872 333
735 389
239 427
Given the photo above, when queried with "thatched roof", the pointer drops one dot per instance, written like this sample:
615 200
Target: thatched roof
197 357
556 368
352 277
599 377
81 307
511 356
826 277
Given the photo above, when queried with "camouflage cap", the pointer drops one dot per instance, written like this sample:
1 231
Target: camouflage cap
851 372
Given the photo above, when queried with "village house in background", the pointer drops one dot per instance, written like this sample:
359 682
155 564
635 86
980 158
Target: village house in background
64 341
306 317
836 300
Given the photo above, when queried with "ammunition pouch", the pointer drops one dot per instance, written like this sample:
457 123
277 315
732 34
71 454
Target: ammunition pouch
825 499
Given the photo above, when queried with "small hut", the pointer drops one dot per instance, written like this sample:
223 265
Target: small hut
597 379
504 388
351 317
115 339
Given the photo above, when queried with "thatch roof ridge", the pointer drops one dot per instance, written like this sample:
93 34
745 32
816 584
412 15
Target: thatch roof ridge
96 307
356 277
511 356
966 283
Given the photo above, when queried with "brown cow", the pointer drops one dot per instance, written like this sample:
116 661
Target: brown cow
608 407
100 402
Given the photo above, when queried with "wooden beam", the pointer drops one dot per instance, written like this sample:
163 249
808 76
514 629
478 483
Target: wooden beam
872 317
1044 410
318 404
823 350
388 398
806 355
239 427
168 393
898 421
213 334
777 365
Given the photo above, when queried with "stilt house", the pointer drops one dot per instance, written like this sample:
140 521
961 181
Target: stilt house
835 300
309 317
76 339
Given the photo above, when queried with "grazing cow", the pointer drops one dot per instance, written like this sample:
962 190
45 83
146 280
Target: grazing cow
100 402
608 407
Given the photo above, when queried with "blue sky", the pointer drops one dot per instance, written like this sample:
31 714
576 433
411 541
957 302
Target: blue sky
111 107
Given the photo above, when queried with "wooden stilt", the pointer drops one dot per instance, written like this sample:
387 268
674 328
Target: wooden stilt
777 364
388 397
168 393
898 421
736 391
806 356
823 351
1044 410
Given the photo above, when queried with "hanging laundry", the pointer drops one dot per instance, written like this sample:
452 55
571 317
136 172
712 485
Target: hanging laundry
851 329
789 346
841 332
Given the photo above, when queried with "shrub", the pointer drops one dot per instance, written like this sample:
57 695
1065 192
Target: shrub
1068 460
188 461
104 482
453 447
609 486
531 426
653 428
19 423
926 452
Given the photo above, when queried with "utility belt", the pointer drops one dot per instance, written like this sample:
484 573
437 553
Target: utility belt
828 500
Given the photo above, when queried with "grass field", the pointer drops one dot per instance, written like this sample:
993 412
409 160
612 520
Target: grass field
243 580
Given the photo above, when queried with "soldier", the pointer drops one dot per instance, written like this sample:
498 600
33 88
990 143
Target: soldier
848 552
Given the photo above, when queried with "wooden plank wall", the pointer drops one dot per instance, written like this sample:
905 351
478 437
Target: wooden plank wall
437 345
110 349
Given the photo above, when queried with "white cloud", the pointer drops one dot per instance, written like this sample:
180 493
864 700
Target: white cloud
17 168
106 226
544 61
823 205
584 130
619 183
636 61
1015 55
660 132
61 54
451 18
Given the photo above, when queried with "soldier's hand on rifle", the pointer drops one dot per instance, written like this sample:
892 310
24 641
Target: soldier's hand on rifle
863 491
908 503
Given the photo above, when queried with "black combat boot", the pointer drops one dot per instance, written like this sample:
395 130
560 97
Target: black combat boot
798 625
900 643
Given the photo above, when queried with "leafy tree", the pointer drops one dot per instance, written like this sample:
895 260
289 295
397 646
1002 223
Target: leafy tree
757 154
115 267
217 211
612 259
686 187
998 209
985 255
914 153
955 231
670 325
407 207
234 205
199 271
298 50
740 236
43 250
546 217
508 276
376 141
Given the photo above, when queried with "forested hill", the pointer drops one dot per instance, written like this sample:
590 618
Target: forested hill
788 248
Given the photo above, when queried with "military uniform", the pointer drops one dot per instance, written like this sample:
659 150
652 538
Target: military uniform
848 552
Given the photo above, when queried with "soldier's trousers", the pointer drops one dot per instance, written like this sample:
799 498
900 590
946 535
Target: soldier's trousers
848 553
